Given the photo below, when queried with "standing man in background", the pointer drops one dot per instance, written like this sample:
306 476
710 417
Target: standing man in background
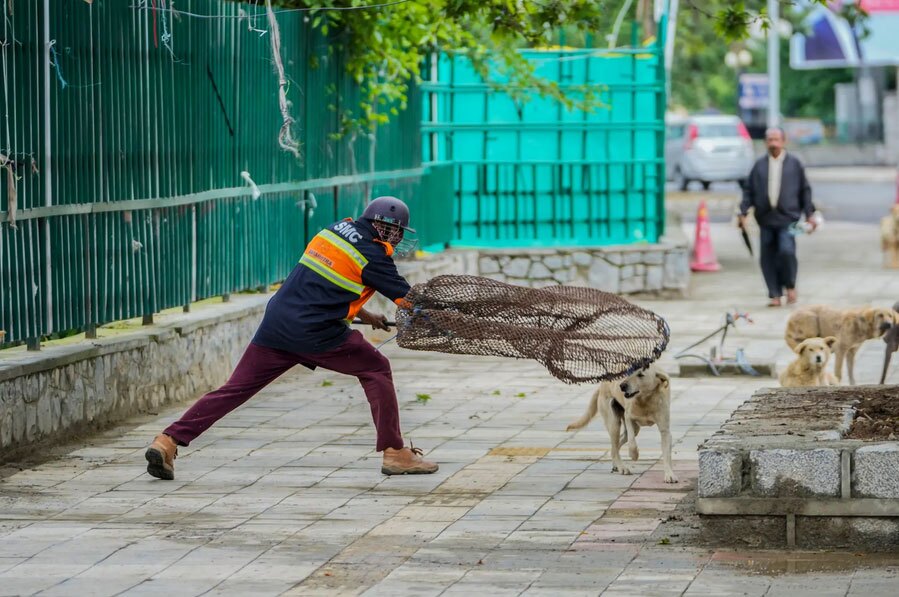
780 194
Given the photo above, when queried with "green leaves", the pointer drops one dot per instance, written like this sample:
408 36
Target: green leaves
422 398
732 22
387 46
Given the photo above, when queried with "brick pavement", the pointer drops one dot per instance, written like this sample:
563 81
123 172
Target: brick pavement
285 496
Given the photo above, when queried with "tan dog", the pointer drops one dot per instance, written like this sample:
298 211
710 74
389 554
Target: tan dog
641 400
889 238
810 369
851 327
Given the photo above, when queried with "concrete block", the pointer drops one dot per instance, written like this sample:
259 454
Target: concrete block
630 285
655 276
604 276
633 258
517 267
847 532
554 262
720 473
795 473
677 270
582 258
487 265
628 271
539 271
768 532
564 276
654 257
875 472
613 257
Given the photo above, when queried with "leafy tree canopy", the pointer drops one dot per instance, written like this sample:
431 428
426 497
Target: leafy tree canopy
387 45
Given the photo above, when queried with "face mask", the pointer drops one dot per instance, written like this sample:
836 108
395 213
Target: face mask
389 233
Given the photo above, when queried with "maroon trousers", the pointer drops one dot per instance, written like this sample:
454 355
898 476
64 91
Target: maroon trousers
259 366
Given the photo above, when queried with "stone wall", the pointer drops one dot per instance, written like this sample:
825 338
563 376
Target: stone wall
67 389
656 269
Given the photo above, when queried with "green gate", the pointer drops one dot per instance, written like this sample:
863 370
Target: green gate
538 174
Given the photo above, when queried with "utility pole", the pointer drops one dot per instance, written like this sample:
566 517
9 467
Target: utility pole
774 64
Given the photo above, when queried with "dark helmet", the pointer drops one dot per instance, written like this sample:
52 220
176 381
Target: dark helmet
389 210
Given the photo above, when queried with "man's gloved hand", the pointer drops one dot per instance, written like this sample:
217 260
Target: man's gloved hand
377 322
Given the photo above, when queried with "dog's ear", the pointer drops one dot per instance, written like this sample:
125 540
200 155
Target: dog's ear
663 379
800 348
830 341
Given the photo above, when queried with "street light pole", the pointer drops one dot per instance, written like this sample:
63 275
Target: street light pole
774 64
738 59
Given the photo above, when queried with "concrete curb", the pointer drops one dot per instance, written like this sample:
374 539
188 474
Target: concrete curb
782 454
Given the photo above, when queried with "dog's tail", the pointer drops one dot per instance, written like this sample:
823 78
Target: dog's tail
588 416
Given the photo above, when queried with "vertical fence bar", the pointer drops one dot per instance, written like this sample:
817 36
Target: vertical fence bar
662 73
48 182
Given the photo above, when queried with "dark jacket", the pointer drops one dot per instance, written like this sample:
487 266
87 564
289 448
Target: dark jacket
340 270
795 194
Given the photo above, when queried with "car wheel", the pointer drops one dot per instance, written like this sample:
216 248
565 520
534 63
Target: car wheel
680 181
705 185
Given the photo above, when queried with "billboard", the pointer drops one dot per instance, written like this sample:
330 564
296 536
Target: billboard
826 40
753 91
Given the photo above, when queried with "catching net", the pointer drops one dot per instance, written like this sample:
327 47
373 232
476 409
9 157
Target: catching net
579 334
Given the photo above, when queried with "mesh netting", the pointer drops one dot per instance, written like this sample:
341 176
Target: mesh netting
579 334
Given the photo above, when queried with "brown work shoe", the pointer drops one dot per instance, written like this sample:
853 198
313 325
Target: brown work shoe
161 457
406 461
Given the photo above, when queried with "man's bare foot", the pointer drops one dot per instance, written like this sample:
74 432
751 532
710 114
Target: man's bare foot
775 302
791 296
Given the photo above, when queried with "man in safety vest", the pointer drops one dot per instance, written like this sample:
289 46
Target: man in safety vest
307 323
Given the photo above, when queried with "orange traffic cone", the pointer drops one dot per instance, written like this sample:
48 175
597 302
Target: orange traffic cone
704 259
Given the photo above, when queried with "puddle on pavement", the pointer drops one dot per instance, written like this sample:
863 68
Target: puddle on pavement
778 563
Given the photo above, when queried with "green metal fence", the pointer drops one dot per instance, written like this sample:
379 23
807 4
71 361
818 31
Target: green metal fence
127 126
538 174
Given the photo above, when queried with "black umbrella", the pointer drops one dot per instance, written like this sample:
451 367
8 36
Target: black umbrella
746 240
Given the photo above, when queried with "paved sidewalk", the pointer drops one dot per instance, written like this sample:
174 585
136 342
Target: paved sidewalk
285 496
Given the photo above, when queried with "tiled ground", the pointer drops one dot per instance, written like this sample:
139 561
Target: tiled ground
285 496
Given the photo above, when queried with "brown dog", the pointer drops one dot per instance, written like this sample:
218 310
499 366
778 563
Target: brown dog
851 327
641 400
889 238
810 369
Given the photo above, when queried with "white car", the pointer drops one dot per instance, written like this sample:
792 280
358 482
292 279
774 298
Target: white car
707 149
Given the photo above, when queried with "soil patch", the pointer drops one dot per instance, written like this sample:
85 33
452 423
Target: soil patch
877 415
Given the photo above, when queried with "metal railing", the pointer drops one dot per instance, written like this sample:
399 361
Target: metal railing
535 173
126 127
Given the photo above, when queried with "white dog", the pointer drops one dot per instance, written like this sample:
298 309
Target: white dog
810 367
641 400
